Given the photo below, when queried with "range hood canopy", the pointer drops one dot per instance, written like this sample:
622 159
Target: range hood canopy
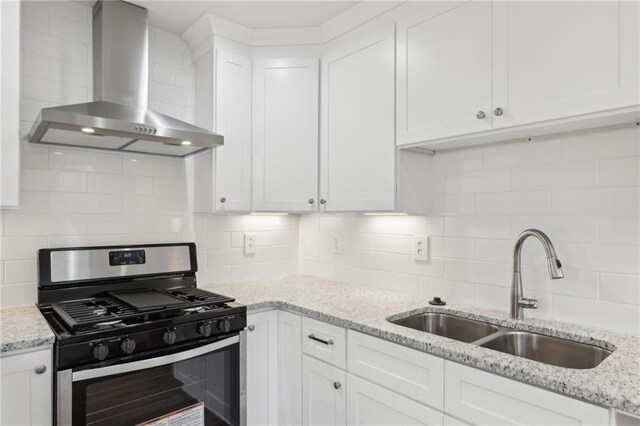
119 119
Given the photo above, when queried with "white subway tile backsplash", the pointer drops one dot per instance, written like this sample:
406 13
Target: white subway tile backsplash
57 48
618 201
17 248
34 19
70 29
84 203
100 183
520 154
619 172
34 65
573 229
566 175
84 161
613 142
477 226
619 230
620 288
18 224
514 203
478 182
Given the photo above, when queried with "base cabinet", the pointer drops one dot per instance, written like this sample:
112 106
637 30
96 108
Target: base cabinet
262 368
483 398
26 389
369 404
324 394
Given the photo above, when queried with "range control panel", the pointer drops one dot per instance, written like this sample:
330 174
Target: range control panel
126 257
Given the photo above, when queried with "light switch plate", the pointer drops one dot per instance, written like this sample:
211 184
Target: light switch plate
336 243
249 243
421 248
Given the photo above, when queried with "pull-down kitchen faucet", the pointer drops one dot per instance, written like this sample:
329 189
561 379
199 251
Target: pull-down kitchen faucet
518 302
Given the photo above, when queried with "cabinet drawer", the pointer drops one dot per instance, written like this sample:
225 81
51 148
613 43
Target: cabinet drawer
484 398
409 372
369 404
325 341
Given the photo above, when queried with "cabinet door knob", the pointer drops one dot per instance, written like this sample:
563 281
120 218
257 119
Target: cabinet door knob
498 111
323 201
222 200
311 200
40 369
480 115
251 327
337 385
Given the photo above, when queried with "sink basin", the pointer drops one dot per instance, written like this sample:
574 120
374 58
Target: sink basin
549 350
450 326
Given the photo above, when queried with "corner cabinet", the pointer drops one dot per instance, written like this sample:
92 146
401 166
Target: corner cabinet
9 102
222 95
285 135
360 168
505 69
26 388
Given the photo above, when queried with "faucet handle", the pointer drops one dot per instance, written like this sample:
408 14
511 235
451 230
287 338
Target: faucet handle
528 303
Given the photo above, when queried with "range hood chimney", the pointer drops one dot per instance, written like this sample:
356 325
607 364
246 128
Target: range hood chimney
119 119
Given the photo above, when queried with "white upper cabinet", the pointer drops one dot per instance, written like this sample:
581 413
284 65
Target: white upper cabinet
222 176
9 102
563 58
444 70
285 134
357 124
478 71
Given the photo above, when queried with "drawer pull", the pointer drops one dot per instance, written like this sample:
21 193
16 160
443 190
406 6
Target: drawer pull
40 369
251 327
337 385
317 339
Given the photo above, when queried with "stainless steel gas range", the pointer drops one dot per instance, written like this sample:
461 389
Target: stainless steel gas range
137 341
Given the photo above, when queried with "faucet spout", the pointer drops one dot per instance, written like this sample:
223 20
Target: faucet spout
518 303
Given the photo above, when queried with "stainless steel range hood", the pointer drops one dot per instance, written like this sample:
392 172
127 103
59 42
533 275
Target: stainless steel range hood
119 119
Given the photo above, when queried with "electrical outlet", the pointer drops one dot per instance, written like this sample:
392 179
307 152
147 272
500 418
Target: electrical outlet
249 243
421 248
336 243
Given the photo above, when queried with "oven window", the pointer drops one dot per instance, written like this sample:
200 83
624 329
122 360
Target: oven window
139 396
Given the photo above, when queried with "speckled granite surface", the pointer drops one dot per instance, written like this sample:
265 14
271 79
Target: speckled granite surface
614 383
23 327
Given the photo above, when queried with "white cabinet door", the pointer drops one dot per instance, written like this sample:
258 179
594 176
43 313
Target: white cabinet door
369 404
444 71
285 134
289 369
9 103
262 368
409 372
323 393
562 58
233 121
483 398
358 124
25 390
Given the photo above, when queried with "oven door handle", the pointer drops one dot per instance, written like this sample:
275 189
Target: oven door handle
152 362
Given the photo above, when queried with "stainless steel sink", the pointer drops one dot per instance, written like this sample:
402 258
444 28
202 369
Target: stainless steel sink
549 350
450 326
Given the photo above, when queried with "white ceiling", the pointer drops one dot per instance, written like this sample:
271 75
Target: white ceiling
177 15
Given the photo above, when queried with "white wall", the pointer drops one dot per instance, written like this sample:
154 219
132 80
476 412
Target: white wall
76 197
582 189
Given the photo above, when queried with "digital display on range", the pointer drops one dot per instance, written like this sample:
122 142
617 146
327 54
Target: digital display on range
126 257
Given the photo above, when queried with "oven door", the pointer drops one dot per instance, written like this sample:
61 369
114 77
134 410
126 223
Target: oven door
139 391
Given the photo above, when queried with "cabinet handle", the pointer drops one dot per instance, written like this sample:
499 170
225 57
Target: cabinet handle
480 115
40 369
498 111
337 385
317 339
311 200
251 327
323 201
223 200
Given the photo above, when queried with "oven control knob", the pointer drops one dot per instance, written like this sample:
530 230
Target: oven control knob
100 351
204 328
128 345
224 325
169 336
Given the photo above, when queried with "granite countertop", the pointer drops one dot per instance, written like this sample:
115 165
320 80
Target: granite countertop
23 327
614 383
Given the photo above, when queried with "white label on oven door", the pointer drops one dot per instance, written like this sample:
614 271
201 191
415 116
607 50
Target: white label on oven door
192 415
